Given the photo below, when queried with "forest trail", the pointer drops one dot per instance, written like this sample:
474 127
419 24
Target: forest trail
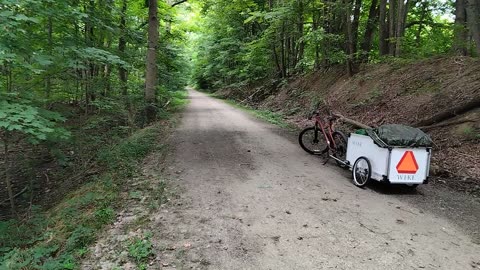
252 199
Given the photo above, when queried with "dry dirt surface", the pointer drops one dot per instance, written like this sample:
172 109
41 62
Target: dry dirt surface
248 197
252 199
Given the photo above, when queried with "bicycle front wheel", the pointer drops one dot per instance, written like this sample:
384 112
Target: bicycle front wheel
312 141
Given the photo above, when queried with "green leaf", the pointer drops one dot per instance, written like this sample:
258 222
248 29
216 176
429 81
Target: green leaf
21 17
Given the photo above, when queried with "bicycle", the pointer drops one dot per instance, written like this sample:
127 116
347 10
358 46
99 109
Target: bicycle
333 143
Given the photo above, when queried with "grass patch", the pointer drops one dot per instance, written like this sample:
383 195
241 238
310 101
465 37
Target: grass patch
275 118
271 117
140 249
59 238
470 132
179 100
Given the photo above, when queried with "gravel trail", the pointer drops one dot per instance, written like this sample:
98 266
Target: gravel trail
250 198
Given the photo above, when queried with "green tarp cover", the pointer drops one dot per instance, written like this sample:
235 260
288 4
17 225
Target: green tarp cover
399 136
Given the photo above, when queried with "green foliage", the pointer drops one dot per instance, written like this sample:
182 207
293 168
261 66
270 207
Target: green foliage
178 100
105 215
80 238
12 233
242 42
65 56
37 124
58 239
470 132
122 159
140 249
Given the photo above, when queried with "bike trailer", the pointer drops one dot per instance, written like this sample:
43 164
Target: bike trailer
394 154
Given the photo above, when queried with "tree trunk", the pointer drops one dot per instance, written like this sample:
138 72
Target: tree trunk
383 32
151 64
355 24
107 71
8 180
402 10
277 61
349 35
366 46
122 45
288 51
460 39
301 45
317 52
392 26
450 112
90 67
352 122
473 20
284 64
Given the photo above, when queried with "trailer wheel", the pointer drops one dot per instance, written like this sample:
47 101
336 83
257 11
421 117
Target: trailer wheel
361 172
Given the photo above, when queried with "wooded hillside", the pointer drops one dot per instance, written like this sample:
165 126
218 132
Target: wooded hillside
243 41
78 79
81 59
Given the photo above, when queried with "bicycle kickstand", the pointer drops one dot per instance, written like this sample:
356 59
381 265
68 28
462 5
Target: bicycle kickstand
325 159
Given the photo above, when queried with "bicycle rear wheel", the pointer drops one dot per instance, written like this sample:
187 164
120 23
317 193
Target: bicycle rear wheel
312 141
341 147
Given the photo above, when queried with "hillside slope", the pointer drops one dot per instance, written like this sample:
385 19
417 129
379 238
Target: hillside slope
396 92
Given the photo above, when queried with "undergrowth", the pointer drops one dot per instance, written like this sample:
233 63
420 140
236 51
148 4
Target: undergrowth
58 238
140 249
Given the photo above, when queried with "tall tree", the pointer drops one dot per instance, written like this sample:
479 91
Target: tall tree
402 11
300 28
356 23
366 45
350 47
151 61
473 20
122 44
460 40
383 35
392 19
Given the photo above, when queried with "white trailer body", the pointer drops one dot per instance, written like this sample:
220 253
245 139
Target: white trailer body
394 165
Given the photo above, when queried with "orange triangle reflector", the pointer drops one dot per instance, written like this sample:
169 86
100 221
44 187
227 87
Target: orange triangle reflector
408 164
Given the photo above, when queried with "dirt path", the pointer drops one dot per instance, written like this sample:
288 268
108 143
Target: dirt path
251 199
244 196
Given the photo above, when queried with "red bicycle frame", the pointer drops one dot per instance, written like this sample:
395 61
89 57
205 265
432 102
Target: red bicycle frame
319 123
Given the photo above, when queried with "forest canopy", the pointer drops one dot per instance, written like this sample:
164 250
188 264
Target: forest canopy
240 42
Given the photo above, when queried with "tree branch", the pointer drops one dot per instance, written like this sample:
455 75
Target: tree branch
430 23
178 3
351 121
